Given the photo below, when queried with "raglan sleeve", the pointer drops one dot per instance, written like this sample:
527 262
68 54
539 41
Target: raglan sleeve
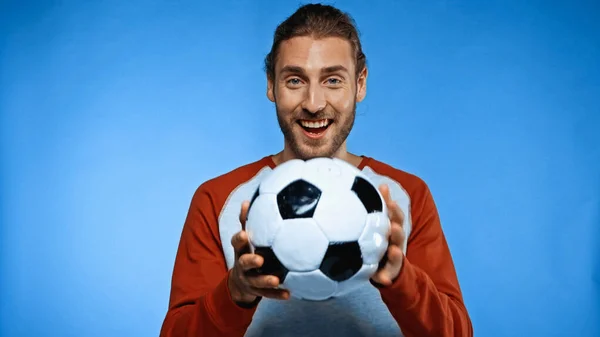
200 303
425 298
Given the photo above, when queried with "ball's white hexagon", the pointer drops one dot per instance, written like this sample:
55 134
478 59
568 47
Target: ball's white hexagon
374 239
341 216
300 245
282 175
263 221
312 285
329 175
360 279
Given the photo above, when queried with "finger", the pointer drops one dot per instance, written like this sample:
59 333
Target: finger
394 211
280 294
244 213
397 235
240 242
381 277
390 265
263 281
250 261
394 259
385 193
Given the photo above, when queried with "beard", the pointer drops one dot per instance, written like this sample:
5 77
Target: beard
306 149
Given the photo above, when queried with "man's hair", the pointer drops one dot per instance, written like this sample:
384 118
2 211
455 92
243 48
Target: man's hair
317 21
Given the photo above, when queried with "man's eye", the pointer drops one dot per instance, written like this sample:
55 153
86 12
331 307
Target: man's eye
294 81
334 81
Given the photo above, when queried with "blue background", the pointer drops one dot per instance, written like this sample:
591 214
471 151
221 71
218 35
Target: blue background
113 112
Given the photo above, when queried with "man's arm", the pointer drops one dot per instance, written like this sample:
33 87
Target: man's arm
425 298
200 302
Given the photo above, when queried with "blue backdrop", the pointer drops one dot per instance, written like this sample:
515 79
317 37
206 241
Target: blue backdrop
113 112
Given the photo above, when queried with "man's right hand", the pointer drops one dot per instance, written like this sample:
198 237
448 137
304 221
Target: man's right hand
245 286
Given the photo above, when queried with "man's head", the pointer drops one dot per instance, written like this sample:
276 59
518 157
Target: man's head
316 73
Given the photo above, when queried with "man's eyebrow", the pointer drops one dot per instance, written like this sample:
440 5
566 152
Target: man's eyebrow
292 69
333 69
299 70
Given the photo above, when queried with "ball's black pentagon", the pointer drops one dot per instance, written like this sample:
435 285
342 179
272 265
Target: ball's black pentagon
271 265
382 262
253 197
368 195
298 200
342 260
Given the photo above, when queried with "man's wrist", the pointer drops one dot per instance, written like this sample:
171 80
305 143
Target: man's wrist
238 297
249 305
404 288
223 311
379 285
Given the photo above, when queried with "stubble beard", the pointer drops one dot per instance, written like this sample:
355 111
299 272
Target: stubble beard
300 151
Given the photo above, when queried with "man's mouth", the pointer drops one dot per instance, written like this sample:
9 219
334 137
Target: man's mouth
315 127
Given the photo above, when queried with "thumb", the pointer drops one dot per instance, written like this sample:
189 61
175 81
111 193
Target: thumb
240 243
385 193
244 214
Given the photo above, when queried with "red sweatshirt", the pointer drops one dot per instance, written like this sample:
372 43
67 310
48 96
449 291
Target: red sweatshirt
424 300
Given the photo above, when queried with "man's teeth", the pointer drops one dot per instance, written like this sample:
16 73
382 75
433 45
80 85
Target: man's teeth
315 124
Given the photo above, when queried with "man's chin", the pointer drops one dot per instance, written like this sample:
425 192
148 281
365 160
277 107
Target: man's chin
306 148
306 152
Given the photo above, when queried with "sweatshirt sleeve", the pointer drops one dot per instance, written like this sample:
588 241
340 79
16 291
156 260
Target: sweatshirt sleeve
425 298
200 303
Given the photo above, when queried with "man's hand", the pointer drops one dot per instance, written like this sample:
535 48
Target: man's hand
395 252
244 286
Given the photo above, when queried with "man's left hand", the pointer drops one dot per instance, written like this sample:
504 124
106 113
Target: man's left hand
395 252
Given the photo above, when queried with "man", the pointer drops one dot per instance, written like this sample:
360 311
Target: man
316 74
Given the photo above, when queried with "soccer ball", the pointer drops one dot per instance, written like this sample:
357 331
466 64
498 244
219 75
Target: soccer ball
320 225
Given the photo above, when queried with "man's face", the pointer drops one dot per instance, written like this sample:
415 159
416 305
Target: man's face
315 91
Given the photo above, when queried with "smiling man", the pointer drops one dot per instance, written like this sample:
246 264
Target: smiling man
316 74
315 79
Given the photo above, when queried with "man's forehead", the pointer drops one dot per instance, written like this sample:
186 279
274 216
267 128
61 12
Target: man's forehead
315 54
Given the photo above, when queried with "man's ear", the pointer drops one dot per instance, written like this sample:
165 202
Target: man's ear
361 89
270 89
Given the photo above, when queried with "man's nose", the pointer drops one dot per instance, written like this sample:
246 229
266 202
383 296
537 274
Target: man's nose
315 99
